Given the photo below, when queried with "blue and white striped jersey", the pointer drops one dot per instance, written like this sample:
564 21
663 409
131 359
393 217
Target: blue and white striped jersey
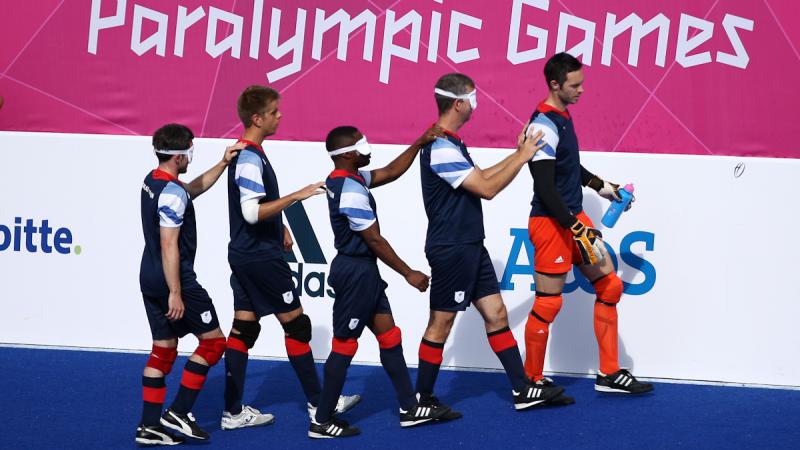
454 214
352 209
250 176
165 203
561 146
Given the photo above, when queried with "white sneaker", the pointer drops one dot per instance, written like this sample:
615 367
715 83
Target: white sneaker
249 417
345 403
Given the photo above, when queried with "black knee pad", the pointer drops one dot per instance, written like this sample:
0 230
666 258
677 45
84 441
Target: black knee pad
299 329
248 331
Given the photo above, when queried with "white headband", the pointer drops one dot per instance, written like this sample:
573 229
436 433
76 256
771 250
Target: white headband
471 96
362 147
167 151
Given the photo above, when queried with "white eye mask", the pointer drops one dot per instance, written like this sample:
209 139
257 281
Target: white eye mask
189 152
362 147
472 96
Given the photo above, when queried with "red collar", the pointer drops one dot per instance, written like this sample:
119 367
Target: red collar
545 108
340 173
159 174
251 143
450 133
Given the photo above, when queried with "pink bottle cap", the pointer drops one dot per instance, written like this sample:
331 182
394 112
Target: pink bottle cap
629 187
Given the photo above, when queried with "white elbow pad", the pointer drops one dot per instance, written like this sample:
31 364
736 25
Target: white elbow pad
250 210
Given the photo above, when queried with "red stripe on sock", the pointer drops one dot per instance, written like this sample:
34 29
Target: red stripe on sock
430 354
192 380
347 347
154 395
296 348
236 344
391 338
502 341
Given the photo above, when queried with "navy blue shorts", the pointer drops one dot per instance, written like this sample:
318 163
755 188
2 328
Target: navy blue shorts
460 274
360 294
199 315
264 287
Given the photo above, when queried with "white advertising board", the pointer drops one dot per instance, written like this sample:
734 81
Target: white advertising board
707 255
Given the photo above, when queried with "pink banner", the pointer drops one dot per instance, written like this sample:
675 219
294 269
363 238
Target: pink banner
689 76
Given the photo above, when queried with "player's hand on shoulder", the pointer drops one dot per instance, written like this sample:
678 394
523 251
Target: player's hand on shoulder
418 279
529 142
232 151
430 135
176 308
310 190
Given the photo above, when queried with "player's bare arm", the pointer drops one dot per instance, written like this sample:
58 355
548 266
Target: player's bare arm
269 209
171 260
400 165
497 168
380 246
204 182
287 239
487 187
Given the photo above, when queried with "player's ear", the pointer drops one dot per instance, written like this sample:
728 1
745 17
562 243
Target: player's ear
554 86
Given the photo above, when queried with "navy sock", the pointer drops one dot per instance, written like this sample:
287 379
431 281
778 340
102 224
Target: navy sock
505 347
235 372
394 363
430 359
192 380
302 361
153 392
335 374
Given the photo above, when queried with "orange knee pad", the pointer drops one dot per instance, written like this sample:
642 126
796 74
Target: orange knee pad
546 307
608 289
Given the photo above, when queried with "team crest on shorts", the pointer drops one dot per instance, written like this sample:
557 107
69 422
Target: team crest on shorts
459 297
353 324
288 297
206 317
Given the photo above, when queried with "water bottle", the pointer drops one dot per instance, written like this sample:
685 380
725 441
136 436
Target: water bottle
617 207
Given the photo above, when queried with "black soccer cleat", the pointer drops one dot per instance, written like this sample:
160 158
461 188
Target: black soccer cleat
420 414
533 395
432 401
621 382
156 435
334 428
560 399
184 423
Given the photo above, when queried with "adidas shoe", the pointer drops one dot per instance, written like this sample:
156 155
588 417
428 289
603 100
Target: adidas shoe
249 417
420 414
433 402
345 403
560 400
334 428
183 423
156 435
534 394
622 382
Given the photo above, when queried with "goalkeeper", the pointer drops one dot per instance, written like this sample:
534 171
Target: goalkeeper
563 235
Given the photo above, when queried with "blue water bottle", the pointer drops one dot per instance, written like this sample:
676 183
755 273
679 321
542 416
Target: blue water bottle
617 207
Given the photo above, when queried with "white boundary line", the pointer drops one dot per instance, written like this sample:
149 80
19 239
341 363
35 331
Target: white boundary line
452 368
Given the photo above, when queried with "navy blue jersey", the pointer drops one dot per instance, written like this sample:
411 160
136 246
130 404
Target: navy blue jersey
561 146
165 203
250 176
352 209
454 214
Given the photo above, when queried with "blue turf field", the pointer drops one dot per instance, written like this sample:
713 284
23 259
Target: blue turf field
78 399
